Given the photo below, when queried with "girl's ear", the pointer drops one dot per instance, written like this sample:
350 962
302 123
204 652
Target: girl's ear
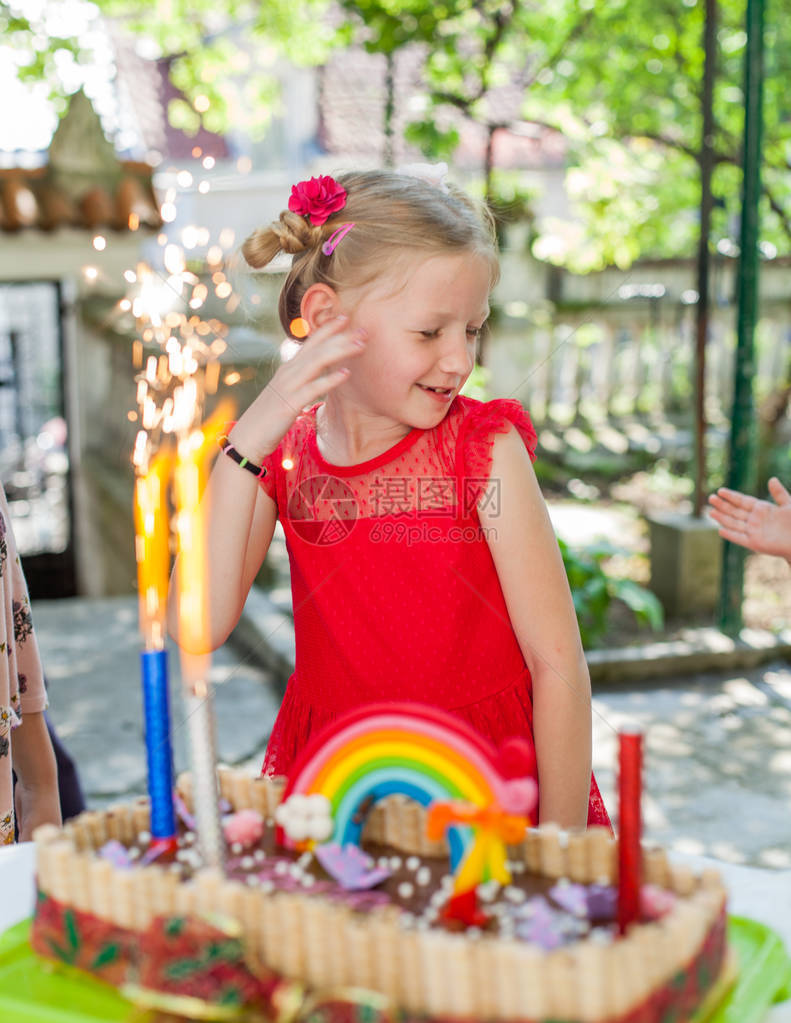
319 305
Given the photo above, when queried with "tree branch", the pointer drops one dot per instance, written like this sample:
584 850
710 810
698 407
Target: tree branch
781 214
553 58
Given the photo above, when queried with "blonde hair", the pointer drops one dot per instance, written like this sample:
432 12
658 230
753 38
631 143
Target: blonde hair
393 214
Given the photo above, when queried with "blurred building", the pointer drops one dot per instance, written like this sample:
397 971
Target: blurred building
68 228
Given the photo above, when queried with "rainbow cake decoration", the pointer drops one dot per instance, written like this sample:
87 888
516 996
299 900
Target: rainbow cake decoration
410 750
395 875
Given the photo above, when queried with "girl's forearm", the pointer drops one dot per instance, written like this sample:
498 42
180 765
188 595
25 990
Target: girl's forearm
562 729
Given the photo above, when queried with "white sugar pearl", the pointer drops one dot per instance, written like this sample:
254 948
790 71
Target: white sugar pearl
236 848
296 871
267 886
487 891
383 863
281 867
252 880
412 863
514 894
144 837
247 863
423 876
406 890
134 853
308 880
446 882
189 837
259 855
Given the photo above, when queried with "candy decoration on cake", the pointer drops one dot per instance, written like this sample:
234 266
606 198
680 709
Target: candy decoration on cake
630 757
384 749
152 552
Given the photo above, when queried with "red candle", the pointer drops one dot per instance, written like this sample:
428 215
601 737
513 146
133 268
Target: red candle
630 757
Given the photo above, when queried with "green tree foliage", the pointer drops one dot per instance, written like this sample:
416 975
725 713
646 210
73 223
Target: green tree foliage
619 79
626 94
484 59
621 82
222 54
387 26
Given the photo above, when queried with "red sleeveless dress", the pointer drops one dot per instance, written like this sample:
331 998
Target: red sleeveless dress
395 592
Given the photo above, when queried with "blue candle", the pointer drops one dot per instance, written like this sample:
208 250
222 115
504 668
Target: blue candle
156 709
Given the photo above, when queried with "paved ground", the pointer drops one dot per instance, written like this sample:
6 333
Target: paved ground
718 764
718 761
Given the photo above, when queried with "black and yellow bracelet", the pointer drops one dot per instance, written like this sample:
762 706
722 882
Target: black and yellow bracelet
259 471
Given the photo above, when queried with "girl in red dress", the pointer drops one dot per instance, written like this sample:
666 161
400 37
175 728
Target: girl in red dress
423 563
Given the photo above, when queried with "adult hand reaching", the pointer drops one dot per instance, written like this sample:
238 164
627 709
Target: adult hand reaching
761 526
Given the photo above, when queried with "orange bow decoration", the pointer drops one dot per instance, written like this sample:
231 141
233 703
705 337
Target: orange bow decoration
493 828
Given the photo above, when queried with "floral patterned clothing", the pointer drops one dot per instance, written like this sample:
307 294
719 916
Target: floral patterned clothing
21 676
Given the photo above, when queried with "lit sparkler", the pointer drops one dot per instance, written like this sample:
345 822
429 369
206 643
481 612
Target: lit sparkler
176 358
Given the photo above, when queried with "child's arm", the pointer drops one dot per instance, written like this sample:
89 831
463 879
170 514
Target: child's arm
36 799
760 525
533 579
240 517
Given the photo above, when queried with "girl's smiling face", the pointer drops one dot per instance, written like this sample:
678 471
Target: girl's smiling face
422 336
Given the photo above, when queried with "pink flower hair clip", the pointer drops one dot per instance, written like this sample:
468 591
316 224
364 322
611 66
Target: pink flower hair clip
317 199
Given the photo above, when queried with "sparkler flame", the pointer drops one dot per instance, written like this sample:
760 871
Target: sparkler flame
152 549
196 449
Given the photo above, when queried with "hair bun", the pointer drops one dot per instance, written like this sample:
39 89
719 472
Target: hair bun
295 233
291 233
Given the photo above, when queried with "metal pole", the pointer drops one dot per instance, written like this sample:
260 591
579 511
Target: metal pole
741 470
702 317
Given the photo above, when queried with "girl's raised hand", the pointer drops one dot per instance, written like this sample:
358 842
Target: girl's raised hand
320 365
750 522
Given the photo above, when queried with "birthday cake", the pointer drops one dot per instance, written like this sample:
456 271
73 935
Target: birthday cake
393 874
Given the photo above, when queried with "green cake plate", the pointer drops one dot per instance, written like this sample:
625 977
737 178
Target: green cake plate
33 990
